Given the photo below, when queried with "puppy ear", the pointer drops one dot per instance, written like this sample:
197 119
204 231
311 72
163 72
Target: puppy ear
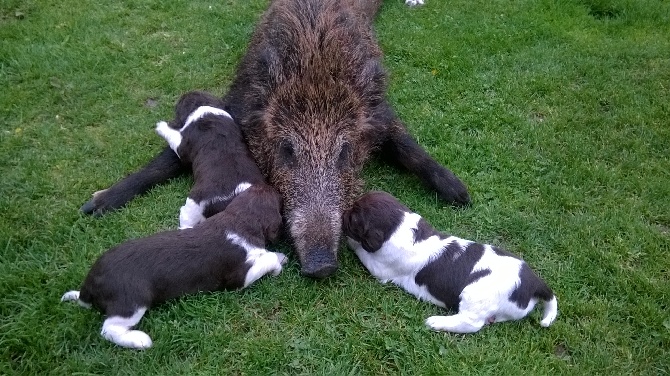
273 228
270 200
350 224
373 240
357 226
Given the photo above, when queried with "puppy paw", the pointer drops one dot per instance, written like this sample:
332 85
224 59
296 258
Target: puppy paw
172 136
436 323
138 340
132 339
190 214
413 2
162 128
69 296
281 260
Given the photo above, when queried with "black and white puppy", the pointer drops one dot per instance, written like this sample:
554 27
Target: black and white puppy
484 283
206 138
225 252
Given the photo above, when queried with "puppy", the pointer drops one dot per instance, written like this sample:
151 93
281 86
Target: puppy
206 138
223 253
484 283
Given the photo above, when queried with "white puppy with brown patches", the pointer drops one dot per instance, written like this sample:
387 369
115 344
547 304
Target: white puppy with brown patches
207 139
484 283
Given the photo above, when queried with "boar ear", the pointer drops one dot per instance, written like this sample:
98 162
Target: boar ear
286 153
269 59
343 159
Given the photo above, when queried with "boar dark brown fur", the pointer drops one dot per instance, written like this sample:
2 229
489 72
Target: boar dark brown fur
309 96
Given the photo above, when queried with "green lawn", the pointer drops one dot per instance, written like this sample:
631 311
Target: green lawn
556 113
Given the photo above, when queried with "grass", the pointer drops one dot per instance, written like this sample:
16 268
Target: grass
555 113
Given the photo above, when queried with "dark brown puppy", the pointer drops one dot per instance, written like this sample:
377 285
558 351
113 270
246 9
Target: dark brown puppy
225 252
309 96
207 139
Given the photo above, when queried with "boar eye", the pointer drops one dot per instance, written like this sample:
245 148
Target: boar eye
343 158
286 152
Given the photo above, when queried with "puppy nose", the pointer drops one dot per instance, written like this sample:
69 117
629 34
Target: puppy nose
319 263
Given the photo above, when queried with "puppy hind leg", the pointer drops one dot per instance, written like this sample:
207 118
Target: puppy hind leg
190 214
172 136
117 329
458 323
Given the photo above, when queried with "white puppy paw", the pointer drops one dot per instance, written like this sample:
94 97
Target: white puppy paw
69 296
73 295
132 339
436 323
458 323
190 214
413 3
137 339
281 260
172 136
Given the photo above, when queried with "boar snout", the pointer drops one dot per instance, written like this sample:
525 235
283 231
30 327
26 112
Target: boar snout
319 262
316 234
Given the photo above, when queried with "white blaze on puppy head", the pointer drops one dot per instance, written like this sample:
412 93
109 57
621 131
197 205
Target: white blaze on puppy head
483 283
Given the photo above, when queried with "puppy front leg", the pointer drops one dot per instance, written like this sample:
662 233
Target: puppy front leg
172 136
270 262
190 214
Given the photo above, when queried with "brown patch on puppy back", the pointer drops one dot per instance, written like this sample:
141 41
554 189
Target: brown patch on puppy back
425 230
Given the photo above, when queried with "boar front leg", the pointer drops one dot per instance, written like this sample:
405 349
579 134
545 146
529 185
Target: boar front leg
400 148
163 167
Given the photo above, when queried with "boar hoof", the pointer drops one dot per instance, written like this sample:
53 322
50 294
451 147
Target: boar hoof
91 208
319 263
